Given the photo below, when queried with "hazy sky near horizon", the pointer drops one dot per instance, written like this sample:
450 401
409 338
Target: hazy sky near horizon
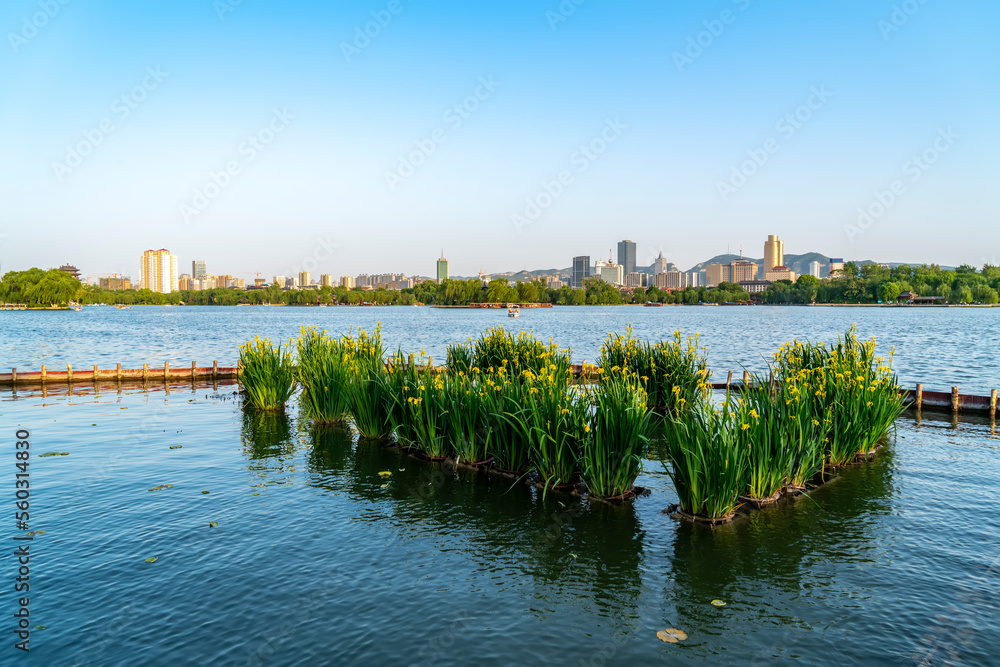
258 134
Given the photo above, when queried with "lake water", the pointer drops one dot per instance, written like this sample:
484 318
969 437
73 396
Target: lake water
939 347
314 562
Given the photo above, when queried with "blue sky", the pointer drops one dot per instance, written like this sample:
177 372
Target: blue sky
268 136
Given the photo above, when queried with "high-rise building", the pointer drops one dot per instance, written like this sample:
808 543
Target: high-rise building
636 279
836 266
347 282
278 281
304 279
581 270
626 256
660 264
326 280
774 253
610 272
815 268
442 269
553 282
694 279
718 273
743 270
198 269
158 271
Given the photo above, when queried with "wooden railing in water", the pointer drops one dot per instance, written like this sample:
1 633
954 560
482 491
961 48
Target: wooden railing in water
916 398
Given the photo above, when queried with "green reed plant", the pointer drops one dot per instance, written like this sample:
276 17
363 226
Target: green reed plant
854 388
324 370
553 419
267 374
675 372
421 421
509 440
499 349
611 457
464 416
706 459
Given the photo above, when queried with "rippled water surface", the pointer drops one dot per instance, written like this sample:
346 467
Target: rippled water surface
939 347
314 562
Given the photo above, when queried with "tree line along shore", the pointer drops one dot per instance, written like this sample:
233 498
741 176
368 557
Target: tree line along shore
859 284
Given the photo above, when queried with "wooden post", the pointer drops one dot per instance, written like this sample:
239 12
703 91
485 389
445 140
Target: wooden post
69 373
746 378
215 369
145 372
43 373
95 373
192 370
118 373
729 380
954 400
166 370
13 376
920 396
993 404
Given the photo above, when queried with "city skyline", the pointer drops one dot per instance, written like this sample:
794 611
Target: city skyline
871 140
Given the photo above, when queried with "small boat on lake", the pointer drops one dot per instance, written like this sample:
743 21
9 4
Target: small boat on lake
513 311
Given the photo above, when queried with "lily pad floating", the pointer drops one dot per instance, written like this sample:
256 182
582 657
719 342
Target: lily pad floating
718 603
385 473
152 560
204 491
254 494
161 487
213 524
672 635
42 456
176 446
34 533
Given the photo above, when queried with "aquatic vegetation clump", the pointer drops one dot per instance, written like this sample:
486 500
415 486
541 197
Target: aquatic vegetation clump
675 373
267 374
324 371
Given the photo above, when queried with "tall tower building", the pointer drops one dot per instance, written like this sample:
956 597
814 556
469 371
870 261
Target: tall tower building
660 264
198 269
305 279
774 253
581 270
158 269
442 269
626 256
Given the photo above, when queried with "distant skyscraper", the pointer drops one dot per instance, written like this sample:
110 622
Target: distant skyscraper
278 281
326 280
158 270
626 256
581 270
774 253
442 269
836 266
815 268
660 264
305 279
198 269
347 281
